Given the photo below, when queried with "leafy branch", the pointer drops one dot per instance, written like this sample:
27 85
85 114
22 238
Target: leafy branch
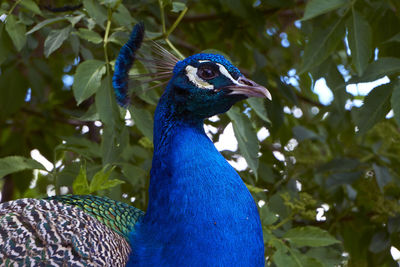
105 40
165 34
14 6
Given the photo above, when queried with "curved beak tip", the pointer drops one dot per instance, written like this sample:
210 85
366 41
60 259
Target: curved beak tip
268 94
261 91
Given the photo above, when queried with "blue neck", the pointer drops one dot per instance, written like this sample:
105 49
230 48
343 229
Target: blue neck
167 119
200 212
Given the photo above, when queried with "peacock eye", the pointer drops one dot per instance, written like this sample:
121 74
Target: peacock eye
207 73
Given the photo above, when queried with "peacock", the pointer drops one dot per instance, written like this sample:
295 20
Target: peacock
200 213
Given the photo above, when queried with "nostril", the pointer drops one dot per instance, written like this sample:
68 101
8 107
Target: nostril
246 81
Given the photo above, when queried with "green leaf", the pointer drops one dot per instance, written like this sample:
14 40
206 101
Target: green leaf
80 185
282 259
334 80
101 180
318 7
75 19
87 79
266 172
276 204
377 69
275 114
246 137
321 44
254 189
376 106
91 114
327 255
86 53
90 36
105 103
111 183
16 31
301 133
82 146
119 38
360 41
143 120
96 11
55 39
133 174
13 164
32 6
257 104
178 7
45 23
75 44
395 101
111 3
304 260
4 48
109 146
123 16
309 236
267 216
382 176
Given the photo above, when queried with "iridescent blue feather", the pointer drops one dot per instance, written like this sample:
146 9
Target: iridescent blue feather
124 62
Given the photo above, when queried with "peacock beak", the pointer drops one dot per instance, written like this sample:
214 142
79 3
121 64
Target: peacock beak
249 88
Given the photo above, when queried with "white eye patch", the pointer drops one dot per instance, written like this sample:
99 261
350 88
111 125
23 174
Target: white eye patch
226 73
191 73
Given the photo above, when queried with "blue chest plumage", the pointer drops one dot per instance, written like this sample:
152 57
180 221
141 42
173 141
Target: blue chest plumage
200 213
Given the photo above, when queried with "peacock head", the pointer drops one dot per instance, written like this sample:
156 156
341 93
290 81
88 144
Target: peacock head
204 85
199 86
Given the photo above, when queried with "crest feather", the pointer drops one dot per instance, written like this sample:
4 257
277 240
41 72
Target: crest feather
161 61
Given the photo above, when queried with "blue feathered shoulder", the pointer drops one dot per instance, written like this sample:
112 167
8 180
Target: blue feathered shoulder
124 63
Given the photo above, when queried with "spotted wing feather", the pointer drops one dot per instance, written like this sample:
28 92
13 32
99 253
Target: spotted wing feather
50 233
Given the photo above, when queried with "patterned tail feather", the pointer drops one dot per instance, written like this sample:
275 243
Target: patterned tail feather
124 62
49 233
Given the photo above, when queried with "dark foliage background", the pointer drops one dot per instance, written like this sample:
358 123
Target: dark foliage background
339 161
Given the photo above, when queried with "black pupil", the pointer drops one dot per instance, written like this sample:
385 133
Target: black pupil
207 73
